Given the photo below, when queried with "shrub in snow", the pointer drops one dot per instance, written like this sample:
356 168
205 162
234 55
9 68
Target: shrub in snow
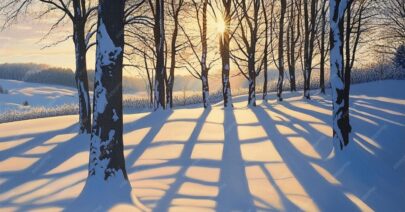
399 57
3 90
25 103
38 112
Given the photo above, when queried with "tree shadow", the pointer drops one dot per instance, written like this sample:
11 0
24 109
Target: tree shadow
36 171
324 194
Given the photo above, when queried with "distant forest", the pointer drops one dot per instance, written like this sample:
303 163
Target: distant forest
41 73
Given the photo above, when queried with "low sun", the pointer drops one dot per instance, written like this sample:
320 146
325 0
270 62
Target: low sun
220 25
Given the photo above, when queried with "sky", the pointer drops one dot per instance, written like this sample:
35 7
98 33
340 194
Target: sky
21 43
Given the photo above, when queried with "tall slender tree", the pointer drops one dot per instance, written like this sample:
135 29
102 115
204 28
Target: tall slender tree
322 48
341 125
175 7
310 16
157 8
224 41
293 36
267 25
247 38
79 12
283 8
200 9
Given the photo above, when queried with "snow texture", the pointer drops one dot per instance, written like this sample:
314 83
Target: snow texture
277 156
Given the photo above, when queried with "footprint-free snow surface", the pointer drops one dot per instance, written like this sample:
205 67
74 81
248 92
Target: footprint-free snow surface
276 156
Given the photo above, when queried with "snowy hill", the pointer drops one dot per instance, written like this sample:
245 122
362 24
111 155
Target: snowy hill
277 156
35 94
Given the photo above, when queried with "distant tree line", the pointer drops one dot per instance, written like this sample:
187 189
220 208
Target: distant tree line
37 74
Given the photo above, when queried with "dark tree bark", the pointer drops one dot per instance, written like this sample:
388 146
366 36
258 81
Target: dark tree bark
204 54
253 28
341 126
293 36
175 10
200 9
281 51
82 83
159 35
309 41
225 54
322 49
347 67
106 150
265 51
79 12
246 40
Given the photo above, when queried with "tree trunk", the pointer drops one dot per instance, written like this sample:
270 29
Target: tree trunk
322 50
347 73
291 42
225 55
341 126
281 51
265 54
310 30
204 68
81 78
306 50
252 80
205 91
159 35
107 161
170 80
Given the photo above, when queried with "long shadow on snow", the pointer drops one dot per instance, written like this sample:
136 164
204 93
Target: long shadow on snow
325 195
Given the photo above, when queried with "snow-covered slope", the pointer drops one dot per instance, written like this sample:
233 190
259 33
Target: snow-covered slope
35 94
277 156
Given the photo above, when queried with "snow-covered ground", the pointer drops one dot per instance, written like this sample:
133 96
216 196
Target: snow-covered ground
36 94
276 156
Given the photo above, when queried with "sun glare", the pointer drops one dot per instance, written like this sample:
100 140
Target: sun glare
220 25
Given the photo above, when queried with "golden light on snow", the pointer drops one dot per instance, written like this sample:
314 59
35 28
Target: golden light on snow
279 150
40 149
60 138
358 202
291 187
207 151
206 174
13 143
197 189
17 163
77 160
134 137
325 174
303 146
262 188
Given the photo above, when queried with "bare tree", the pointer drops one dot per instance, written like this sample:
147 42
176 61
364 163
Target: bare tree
310 16
323 47
140 48
293 37
341 125
200 9
175 7
392 25
267 41
283 8
246 40
79 12
225 53
157 9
